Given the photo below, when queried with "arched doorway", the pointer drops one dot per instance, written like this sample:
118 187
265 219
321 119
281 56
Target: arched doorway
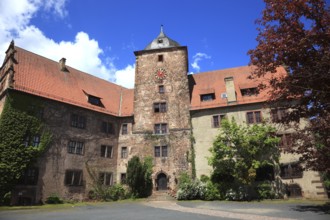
162 181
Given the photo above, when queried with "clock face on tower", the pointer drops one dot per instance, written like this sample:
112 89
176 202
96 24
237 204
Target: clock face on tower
160 73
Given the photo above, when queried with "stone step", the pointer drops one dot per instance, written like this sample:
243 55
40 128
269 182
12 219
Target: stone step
161 196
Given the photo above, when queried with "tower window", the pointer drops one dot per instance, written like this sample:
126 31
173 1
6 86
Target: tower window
160 128
160 107
161 89
160 151
160 40
160 58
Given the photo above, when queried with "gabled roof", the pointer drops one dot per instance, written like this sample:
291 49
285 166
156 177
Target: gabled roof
46 78
213 82
43 77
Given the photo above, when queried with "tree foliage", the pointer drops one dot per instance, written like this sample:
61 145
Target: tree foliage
295 34
139 176
17 123
239 151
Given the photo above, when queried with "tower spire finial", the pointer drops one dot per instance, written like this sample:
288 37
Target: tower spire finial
161 29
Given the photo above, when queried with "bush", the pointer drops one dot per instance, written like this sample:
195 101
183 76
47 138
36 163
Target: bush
211 192
6 199
117 192
265 191
54 199
184 179
108 193
192 190
204 178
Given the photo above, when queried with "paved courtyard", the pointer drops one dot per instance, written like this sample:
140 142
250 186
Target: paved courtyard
175 210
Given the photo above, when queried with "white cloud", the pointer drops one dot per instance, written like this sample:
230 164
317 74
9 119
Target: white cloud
197 58
82 53
58 6
125 77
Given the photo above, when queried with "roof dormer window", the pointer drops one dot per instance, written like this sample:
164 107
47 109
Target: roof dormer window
94 100
160 40
207 97
249 91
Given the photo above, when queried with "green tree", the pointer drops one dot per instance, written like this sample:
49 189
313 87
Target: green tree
139 176
295 34
238 152
18 125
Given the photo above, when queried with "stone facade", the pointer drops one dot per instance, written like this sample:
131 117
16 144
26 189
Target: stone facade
59 159
307 184
171 120
163 100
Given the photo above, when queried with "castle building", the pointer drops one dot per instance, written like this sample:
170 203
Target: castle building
97 126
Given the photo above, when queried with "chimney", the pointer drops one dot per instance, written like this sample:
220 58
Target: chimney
62 65
230 89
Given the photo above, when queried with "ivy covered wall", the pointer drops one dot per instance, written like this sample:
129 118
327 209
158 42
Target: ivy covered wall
22 137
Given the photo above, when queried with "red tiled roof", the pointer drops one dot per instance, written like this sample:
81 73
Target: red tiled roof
202 83
42 77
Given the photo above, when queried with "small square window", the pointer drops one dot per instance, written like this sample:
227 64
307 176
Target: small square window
73 177
75 147
277 114
124 129
160 58
157 151
161 89
216 120
106 151
160 151
160 107
78 121
29 177
291 171
253 117
160 128
105 179
123 178
123 152
164 151
107 127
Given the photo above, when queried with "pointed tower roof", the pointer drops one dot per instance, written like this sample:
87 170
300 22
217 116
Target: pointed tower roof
162 41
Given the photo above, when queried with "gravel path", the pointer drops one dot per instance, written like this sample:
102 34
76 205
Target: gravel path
210 212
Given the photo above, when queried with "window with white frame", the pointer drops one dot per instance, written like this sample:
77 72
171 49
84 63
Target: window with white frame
76 147
106 151
105 178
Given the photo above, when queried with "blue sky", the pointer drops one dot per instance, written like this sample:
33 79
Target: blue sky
99 36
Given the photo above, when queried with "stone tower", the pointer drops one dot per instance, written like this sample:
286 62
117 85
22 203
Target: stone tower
161 109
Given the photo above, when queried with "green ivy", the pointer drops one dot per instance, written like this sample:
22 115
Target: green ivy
19 120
